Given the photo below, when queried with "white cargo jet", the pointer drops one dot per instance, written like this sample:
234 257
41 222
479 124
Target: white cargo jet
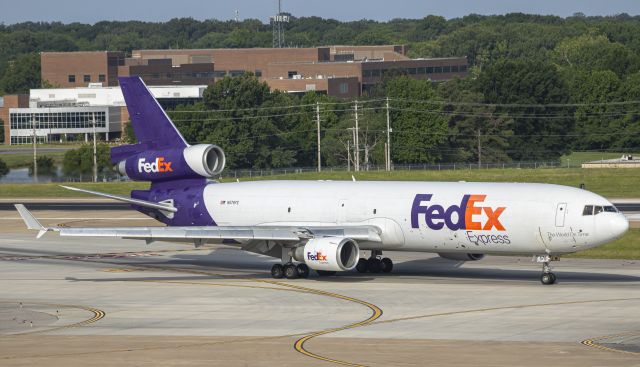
326 225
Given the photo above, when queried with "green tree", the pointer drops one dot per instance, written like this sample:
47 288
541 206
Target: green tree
128 135
79 162
4 169
540 132
419 128
22 74
46 166
474 129
250 121
596 53
599 121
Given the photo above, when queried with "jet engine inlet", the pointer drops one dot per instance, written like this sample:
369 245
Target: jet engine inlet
204 159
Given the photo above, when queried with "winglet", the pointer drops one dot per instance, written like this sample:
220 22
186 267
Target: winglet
30 220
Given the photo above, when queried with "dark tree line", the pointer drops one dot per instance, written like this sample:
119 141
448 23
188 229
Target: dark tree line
539 86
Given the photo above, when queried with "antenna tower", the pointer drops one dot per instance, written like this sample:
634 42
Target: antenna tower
277 22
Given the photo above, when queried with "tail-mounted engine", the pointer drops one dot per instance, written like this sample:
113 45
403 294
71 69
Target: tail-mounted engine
329 253
202 160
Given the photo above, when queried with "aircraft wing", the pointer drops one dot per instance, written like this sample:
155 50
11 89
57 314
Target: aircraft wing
194 234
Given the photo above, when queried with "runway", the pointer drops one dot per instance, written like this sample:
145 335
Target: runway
75 302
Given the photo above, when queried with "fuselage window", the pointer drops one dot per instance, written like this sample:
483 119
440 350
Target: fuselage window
597 210
588 210
610 209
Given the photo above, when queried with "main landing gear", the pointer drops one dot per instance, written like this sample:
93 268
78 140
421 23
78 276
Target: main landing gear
375 264
290 271
547 277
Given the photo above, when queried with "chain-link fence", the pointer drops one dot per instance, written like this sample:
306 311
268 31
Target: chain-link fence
21 175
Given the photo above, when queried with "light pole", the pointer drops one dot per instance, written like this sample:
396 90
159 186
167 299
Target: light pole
35 138
318 122
95 153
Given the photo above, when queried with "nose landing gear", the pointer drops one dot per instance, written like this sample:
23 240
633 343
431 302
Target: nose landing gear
547 277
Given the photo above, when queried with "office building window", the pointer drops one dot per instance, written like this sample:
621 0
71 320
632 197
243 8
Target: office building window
57 120
463 68
344 88
292 74
437 69
446 69
366 73
87 78
102 78
430 70
412 71
234 73
219 74
258 73
72 78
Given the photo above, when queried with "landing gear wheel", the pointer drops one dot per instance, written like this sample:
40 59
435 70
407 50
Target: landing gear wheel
548 278
374 264
277 271
387 265
303 270
362 266
325 273
290 271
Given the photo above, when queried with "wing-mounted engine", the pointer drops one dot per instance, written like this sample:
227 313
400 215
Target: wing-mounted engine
329 253
460 256
195 161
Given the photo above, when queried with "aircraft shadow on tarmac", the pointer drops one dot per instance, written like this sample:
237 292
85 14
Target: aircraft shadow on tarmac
246 265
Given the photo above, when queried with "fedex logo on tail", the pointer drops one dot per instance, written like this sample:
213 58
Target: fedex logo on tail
157 166
467 215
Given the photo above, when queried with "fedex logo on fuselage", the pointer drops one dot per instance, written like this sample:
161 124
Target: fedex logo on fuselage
467 215
159 165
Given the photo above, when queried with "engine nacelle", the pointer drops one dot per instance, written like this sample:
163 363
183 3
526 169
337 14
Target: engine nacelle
205 159
202 160
460 256
329 253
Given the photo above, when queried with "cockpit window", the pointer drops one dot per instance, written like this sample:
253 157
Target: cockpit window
610 209
596 209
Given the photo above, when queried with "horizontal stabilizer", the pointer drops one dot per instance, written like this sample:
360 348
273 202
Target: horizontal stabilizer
147 204
31 221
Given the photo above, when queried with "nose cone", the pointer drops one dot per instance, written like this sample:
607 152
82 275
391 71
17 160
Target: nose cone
618 225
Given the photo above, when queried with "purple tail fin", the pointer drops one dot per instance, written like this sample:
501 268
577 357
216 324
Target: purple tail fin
152 126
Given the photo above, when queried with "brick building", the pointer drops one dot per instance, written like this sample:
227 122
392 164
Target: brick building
341 71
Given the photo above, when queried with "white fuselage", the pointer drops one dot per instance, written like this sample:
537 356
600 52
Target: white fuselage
443 217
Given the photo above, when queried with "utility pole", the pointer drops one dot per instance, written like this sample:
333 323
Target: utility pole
318 122
356 165
388 146
348 155
95 154
479 149
35 139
